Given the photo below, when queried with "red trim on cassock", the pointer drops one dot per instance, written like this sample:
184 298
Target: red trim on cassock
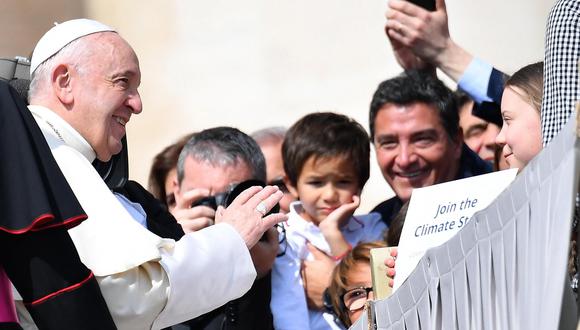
67 289
68 223
40 224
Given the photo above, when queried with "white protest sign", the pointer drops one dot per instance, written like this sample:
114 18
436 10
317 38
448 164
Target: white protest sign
436 213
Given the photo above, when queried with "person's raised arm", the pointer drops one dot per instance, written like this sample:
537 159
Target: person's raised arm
420 38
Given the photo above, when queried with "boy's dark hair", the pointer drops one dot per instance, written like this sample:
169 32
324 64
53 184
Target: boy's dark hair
415 86
326 134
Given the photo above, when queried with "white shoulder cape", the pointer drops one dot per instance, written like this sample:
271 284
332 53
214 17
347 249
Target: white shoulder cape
127 244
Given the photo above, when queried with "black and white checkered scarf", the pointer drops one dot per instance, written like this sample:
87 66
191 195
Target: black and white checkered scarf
561 90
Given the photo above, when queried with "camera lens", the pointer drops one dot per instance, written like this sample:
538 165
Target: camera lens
209 201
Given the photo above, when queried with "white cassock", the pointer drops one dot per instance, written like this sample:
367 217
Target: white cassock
148 282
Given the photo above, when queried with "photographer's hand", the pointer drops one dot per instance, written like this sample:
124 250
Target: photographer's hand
246 218
192 218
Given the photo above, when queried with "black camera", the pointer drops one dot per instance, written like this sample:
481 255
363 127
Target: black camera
227 197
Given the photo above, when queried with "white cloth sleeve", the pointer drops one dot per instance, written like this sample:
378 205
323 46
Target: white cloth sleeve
135 297
206 269
288 303
147 282
475 80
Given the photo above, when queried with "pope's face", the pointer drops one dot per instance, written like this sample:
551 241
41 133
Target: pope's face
105 91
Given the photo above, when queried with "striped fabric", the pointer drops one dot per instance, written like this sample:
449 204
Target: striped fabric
561 90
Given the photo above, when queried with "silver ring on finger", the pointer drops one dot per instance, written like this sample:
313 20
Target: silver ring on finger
262 208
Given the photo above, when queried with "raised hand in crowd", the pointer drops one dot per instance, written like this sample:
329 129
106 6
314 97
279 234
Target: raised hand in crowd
420 38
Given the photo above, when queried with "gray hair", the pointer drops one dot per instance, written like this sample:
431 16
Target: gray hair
269 135
75 53
223 146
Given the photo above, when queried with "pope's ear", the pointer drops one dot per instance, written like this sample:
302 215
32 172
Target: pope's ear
62 84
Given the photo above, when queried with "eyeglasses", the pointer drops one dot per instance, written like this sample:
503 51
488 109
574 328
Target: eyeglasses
355 299
279 182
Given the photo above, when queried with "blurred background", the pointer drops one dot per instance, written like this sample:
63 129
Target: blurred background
252 64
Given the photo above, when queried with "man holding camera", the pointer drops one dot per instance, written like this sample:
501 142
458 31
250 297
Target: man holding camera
210 166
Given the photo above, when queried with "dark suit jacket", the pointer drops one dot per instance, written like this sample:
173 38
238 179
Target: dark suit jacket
491 111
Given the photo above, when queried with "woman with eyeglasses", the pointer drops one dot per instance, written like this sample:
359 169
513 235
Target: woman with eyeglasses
351 284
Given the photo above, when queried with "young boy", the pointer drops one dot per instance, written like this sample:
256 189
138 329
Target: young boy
326 160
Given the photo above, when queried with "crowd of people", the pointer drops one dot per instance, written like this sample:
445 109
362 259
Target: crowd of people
237 230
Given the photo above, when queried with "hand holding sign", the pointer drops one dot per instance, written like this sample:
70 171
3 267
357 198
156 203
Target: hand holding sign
390 263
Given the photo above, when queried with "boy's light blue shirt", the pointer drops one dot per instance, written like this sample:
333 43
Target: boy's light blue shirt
288 303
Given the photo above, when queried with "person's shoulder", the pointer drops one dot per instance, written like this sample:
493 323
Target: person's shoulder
369 226
159 220
385 204
388 209
368 218
471 164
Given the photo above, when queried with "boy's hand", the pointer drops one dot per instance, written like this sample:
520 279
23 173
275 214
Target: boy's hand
338 218
390 263
330 227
